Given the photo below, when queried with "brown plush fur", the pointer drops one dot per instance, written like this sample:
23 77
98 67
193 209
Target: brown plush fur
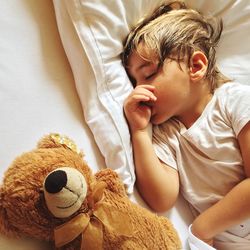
23 211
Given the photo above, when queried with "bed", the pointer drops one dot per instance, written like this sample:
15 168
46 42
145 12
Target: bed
60 72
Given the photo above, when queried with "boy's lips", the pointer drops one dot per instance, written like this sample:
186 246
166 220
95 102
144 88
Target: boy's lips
152 112
149 104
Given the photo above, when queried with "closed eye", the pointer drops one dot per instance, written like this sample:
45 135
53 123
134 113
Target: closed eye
150 76
152 72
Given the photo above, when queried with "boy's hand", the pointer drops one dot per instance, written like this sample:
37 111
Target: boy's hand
207 241
200 230
137 107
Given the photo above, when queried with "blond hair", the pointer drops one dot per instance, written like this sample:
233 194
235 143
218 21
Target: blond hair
177 34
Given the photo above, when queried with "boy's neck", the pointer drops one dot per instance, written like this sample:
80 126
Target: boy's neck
202 96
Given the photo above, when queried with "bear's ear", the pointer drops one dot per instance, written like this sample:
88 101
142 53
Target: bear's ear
58 141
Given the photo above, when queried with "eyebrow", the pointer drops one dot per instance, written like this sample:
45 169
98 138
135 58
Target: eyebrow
145 64
128 69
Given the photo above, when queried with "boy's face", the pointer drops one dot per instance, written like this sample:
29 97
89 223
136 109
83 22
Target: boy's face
172 86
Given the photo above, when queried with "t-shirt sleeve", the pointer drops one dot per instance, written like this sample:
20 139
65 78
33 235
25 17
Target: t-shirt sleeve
237 106
163 147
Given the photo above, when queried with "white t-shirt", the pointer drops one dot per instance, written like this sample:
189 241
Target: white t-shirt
207 155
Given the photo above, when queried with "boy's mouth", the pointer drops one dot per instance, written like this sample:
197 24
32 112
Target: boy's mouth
149 104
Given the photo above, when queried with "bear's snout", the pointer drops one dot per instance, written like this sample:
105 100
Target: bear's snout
65 189
55 181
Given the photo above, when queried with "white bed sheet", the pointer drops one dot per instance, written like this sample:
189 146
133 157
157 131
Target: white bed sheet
96 29
38 96
37 91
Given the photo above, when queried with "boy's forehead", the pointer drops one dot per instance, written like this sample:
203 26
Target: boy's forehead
135 62
142 55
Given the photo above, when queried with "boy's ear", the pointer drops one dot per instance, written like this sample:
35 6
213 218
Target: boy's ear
198 66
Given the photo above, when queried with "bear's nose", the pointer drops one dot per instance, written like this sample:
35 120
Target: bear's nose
55 181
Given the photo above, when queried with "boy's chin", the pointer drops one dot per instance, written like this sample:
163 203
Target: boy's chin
156 120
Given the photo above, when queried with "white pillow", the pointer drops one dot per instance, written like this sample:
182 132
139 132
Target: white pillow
92 32
234 48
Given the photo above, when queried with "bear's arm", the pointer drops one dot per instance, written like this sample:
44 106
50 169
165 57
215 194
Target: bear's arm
112 179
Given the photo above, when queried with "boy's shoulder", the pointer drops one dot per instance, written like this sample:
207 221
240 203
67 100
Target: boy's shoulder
232 94
232 87
232 90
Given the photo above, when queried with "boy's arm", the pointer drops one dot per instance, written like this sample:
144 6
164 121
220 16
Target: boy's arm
234 207
157 183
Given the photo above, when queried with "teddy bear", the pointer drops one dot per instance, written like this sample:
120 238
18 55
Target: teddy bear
51 194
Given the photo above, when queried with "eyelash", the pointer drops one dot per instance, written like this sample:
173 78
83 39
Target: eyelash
150 76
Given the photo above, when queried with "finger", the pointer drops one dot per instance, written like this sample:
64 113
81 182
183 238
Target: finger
137 99
142 97
146 92
145 86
